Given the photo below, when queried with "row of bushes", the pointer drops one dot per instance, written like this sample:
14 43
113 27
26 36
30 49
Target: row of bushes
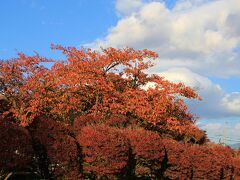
53 150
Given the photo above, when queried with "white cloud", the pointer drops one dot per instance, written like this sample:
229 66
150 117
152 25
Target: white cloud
237 127
187 4
216 102
198 34
232 102
126 7
189 78
216 127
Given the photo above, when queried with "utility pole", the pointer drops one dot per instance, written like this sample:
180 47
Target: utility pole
225 134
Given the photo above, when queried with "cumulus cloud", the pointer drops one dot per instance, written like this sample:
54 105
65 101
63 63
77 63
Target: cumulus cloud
237 127
127 7
186 4
216 127
216 102
232 102
202 33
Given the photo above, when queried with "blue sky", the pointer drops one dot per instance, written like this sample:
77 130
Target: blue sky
32 25
198 42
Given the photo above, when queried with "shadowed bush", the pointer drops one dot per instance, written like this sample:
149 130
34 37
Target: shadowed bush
15 147
56 151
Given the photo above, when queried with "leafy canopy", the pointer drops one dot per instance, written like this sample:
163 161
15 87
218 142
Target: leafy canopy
110 81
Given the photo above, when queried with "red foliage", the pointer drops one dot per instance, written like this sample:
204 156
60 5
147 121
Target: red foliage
105 150
111 81
121 121
146 144
15 147
190 133
224 156
177 164
56 150
236 165
18 82
148 150
198 161
210 162
85 120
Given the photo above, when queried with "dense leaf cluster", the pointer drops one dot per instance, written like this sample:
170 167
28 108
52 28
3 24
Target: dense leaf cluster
99 115
52 150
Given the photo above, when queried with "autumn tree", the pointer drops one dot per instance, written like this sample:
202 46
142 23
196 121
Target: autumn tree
99 114
112 81
17 83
